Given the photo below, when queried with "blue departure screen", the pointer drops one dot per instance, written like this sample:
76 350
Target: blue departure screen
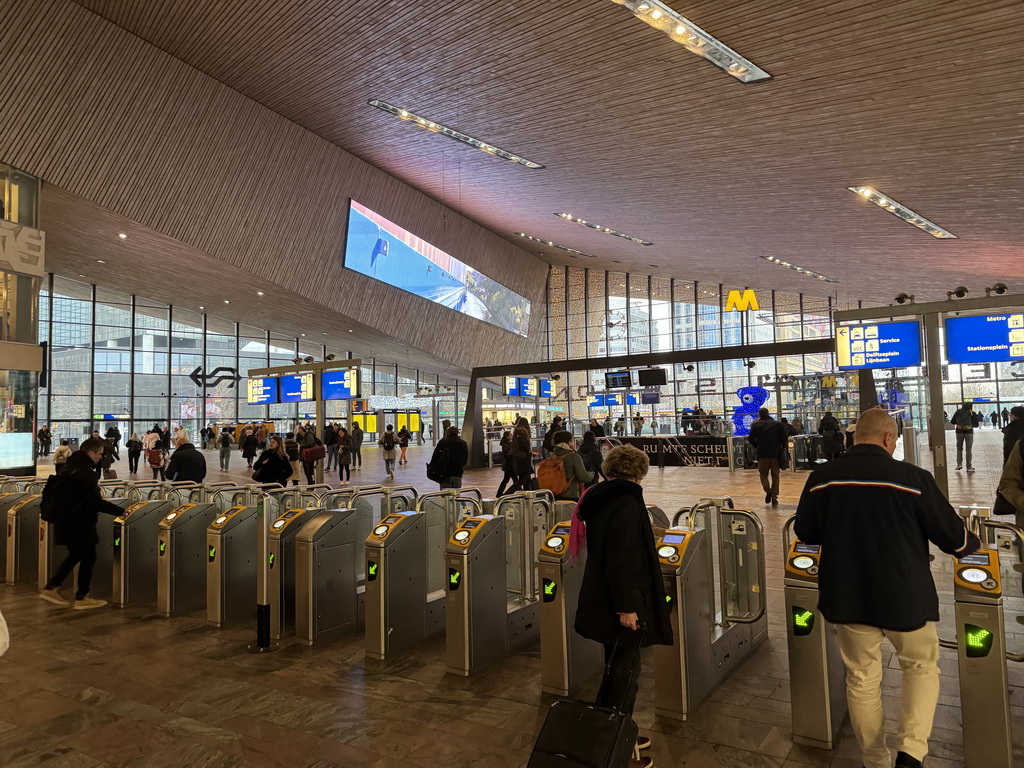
511 386
261 391
297 388
339 385
881 345
546 388
985 338
528 387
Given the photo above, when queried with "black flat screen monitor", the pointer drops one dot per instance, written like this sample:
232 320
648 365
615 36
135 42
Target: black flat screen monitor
650 398
618 380
651 377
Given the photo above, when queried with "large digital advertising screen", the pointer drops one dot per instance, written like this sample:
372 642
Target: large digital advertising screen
985 338
261 391
339 385
379 248
297 388
881 345
16 450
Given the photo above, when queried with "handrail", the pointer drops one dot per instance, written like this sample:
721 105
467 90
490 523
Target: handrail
691 514
450 492
762 572
415 492
477 491
787 529
1018 534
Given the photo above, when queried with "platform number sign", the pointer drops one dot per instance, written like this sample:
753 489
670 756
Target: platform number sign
977 641
803 621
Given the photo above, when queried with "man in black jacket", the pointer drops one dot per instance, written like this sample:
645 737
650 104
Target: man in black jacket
186 464
873 517
769 438
1013 431
78 505
456 454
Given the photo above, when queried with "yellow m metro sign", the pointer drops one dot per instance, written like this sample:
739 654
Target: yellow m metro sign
737 302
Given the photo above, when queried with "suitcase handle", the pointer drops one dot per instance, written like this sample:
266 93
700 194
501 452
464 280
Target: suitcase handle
632 669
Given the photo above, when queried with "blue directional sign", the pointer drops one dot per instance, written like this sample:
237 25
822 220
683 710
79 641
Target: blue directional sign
261 391
528 387
985 338
297 388
547 388
339 385
880 345
611 400
511 386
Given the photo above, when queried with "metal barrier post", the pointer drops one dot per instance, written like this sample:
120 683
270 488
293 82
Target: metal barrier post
263 642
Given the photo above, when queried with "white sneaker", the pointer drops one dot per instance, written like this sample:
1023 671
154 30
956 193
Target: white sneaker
53 596
86 603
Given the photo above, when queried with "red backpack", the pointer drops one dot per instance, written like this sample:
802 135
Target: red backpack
551 475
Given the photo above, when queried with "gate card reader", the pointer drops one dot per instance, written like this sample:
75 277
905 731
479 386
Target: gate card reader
817 681
568 660
181 558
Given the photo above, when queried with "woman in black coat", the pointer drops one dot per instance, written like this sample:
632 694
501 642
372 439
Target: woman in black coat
590 452
622 590
249 447
273 464
521 453
508 466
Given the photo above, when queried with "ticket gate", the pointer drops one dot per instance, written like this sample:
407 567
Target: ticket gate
981 644
231 565
714 629
134 551
7 500
281 563
493 593
22 548
568 660
405 570
330 567
182 555
817 678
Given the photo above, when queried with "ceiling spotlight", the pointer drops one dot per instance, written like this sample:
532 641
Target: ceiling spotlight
227 301
905 298
902 212
329 358
796 268
694 39
601 228
122 235
560 247
350 330
957 293
998 289
308 360
260 293
100 261
202 307
451 133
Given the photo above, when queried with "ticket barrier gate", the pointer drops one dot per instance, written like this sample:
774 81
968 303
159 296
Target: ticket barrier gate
405 579
981 643
181 551
491 606
8 499
817 677
231 565
281 564
714 630
134 551
21 557
330 567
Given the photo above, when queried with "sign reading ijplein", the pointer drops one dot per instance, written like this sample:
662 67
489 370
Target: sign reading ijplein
684 451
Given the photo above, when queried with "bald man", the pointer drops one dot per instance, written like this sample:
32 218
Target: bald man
873 517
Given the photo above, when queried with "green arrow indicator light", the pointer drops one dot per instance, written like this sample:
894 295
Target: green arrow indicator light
668 599
549 588
213 552
373 569
978 641
163 546
272 556
803 621
454 579
117 542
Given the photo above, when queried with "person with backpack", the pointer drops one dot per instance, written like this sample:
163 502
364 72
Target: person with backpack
73 506
291 449
61 456
344 457
964 422
563 473
224 443
591 454
388 442
357 445
832 441
769 439
331 445
448 462
114 435
308 444
403 444
507 464
134 446
548 445
186 464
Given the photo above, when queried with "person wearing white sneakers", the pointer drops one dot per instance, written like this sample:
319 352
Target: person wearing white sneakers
77 507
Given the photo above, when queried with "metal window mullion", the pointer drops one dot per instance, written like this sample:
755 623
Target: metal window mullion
131 365
92 354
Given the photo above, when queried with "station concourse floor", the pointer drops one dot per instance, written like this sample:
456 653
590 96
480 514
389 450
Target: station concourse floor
115 687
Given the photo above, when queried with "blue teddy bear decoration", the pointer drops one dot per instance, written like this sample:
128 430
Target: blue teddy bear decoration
751 399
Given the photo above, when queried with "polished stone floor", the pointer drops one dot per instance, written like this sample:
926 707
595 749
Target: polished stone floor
130 688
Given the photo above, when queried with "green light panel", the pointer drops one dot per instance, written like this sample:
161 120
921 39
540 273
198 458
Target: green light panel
977 641
372 569
550 590
454 579
803 621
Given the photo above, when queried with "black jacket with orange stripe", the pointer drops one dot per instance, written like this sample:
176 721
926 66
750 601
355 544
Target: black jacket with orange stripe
873 517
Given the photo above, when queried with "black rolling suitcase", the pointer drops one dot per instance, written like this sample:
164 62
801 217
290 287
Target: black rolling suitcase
578 734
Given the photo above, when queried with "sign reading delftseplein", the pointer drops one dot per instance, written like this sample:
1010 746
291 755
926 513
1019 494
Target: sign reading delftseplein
880 345
985 338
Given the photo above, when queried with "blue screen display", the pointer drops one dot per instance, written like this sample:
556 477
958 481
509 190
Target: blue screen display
985 338
511 386
880 345
339 385
297 388
546 388
609 400
381 249
261 391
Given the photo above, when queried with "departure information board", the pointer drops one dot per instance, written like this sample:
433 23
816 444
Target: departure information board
528 387
339 385
985 338
881 345
261 391
611 400
546 388
297 388
511 386
524 386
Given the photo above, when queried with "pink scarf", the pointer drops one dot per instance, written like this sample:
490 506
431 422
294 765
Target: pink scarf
577 531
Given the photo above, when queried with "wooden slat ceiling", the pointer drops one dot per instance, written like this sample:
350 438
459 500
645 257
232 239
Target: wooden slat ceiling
158 268
920 98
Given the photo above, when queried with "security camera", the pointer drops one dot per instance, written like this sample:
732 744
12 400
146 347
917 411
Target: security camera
308 360
688 368
330 357
749 363
998 289
556 377
905 298
297 360
958 293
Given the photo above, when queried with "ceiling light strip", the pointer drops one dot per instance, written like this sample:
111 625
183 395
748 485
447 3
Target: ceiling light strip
560 247
901 211
694 39
444 130
606 230
796 268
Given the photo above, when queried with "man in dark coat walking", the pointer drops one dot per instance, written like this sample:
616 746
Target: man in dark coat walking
77 505
186 464
770 439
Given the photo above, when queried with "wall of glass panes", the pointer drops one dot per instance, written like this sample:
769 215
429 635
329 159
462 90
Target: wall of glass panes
127 360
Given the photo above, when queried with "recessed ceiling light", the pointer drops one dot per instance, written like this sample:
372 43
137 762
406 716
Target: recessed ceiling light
555 245
694 39
80 275
602 228
451 133
100 261
260 293
227 301
796 268
122 235
350 330
323 333
202 307
901 211
303 334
